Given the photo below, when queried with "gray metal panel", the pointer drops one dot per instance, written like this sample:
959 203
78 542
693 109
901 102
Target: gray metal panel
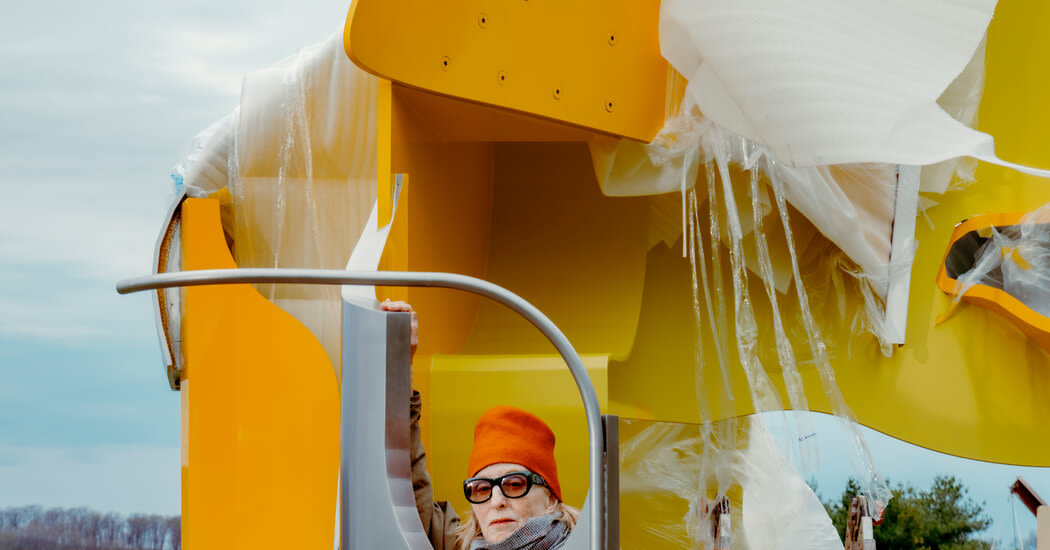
379 507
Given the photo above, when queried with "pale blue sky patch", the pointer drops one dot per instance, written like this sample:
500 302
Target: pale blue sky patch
126 479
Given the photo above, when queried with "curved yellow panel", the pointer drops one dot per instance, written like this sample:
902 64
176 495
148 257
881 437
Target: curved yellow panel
260 407
1027 320
583 265
471 207
591 63
974 386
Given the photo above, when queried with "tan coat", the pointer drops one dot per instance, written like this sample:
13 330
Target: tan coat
439 519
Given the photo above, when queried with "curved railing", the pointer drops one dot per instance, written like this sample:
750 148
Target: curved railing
423 279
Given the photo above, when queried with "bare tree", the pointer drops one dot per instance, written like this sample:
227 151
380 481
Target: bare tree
110 529
20 517
174 525
36 528
138 526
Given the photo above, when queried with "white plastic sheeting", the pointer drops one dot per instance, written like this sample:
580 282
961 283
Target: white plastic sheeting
1017 260
772 507
709 285
299 159
831 81
851 204
823 105
812 91
782 511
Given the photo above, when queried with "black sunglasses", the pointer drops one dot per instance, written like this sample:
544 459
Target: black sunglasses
512 485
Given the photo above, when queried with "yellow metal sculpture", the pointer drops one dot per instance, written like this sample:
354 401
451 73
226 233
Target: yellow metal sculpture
489 110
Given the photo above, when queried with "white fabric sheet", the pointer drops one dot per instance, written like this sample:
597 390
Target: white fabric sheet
832 81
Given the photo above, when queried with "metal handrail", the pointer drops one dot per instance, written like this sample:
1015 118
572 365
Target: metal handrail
422 279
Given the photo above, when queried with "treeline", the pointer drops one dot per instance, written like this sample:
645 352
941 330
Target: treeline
38 528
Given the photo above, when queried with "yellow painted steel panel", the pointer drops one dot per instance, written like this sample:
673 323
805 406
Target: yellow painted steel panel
463 387
442 224
468 208
974 386
558 242
591 63
260 411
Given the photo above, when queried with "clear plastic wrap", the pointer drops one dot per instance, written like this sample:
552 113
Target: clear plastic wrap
873 484
961 101
719 456
206 169
1015 259
670 480
837 200
298 156
785 353
816 86
864 467
763 394
788 153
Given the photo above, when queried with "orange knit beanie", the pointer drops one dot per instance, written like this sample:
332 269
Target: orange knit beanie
506 434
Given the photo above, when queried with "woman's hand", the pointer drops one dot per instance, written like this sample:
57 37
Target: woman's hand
387 305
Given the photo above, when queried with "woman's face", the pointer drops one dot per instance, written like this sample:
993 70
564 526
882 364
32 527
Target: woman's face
500 516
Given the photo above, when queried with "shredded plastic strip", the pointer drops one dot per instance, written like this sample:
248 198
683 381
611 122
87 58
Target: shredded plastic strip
1016 260
763 394
785 354
874 485
299 158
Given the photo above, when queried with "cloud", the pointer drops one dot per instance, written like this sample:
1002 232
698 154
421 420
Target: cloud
80 229
96 116
99 100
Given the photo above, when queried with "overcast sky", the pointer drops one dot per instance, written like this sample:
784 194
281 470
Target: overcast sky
98 101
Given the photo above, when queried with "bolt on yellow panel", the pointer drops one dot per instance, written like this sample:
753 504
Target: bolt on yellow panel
591 63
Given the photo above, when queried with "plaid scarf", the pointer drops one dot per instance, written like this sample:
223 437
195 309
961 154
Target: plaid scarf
539 533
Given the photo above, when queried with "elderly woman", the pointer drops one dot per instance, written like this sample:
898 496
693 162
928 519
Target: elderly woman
512 484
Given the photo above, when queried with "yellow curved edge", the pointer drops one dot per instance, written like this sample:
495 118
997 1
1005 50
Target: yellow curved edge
594 64
1027 320
260 408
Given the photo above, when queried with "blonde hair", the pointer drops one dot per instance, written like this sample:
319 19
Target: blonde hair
468 528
